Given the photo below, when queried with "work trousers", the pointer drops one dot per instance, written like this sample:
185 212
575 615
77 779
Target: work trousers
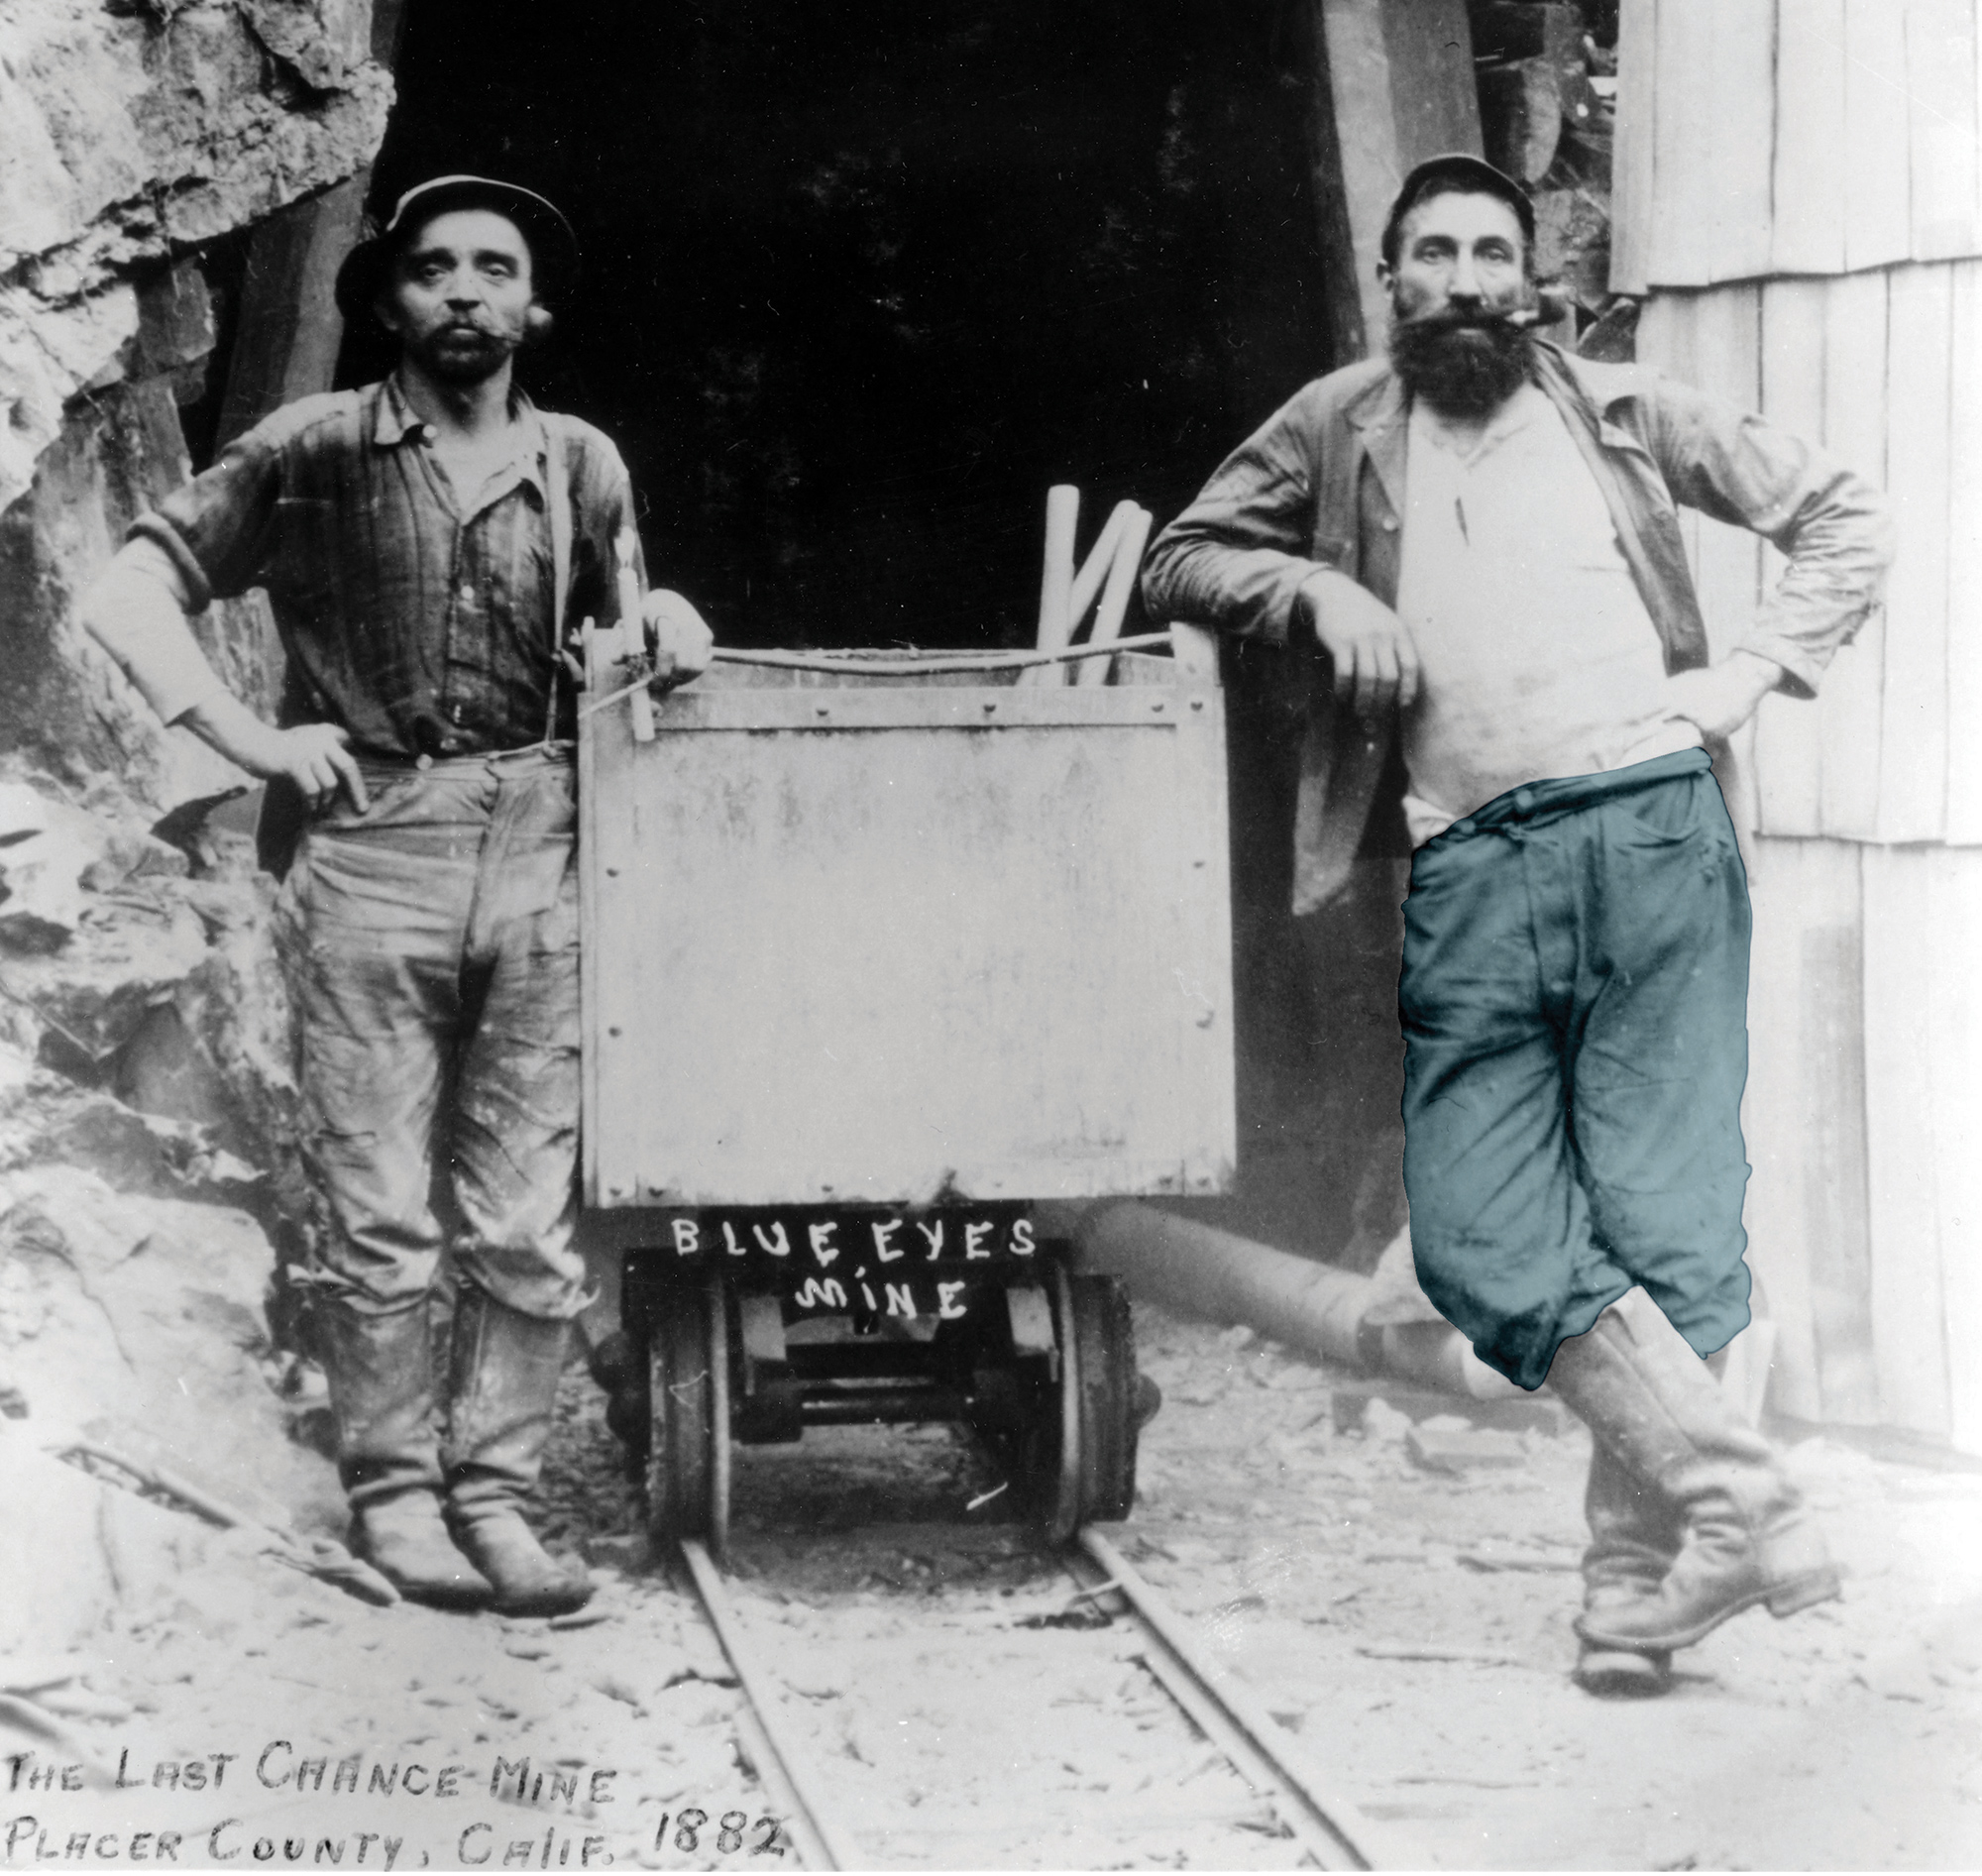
1574 1012
431 950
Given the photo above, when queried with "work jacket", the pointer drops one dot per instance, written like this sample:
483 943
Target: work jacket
1322 485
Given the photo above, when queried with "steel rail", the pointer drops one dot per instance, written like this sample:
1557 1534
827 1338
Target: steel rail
782 1762
1329 1826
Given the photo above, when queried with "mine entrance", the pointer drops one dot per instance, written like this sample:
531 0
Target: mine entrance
863 280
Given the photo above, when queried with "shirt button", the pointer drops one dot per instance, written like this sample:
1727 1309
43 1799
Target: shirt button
1389 524
466 592
423 760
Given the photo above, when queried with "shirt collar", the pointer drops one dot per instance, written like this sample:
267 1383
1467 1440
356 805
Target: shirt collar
396 421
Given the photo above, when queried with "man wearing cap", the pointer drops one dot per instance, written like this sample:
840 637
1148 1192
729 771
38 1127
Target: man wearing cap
426 544
1479 538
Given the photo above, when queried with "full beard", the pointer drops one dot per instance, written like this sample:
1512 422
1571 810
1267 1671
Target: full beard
1467 365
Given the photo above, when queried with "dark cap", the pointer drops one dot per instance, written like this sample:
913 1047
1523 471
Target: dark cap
552 244
1455 172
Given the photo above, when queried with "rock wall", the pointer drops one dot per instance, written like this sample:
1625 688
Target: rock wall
134 136
148 1184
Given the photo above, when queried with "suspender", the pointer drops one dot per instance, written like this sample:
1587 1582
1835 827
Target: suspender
558 496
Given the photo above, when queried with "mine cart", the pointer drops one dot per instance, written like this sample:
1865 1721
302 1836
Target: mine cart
885 962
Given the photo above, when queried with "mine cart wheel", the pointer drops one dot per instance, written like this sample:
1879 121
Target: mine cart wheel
688 1455
1084 1448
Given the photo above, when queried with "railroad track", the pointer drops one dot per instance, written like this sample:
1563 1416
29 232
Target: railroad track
1329 1827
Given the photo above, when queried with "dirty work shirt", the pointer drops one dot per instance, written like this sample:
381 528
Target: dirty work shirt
1575 1011
415 614
1537 654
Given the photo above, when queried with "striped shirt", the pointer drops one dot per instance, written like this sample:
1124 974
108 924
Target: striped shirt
416 616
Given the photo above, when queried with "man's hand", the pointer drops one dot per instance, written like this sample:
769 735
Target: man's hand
1718 698
312 756
1376 663
315 758
677 636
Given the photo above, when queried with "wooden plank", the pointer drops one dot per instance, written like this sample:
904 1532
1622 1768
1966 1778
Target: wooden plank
1684 184
1807 234
1849 707
1909 1336
1772 1125
1955 1043
1045 1012
1789 758
1434 95
288 327
1878 224
1940 90
1727 363
1964 556
1631 156
1666 328
1912 758
1735 191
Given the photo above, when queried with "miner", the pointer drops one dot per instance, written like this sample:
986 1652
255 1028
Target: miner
427 544
1477 539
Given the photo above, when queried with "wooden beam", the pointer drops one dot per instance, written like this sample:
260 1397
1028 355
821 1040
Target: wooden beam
1631 156
288 327
1396 83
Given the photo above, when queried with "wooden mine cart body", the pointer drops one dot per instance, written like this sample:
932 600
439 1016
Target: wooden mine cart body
872 964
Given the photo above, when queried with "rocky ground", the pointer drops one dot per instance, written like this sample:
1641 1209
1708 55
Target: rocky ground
1410 1627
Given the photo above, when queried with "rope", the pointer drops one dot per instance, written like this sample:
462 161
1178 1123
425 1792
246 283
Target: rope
859 665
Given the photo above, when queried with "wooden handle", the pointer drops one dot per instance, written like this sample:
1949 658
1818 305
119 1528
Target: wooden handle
1115 600
1056 580
1094 569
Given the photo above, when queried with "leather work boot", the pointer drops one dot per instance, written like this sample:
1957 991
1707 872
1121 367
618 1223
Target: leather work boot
505 1383
1634 1538
1644 1394
381 1398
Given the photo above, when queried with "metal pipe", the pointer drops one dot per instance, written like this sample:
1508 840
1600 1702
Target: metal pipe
1218 1276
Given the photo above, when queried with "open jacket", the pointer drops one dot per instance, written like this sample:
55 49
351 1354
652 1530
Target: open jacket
1321 484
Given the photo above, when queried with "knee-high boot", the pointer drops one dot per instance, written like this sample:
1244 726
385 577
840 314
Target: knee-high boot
381 1398
1646 1396
503 1389
1634 1535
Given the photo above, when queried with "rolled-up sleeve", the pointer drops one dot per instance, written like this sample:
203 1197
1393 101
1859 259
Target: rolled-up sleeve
1833 525
1235 559
218 528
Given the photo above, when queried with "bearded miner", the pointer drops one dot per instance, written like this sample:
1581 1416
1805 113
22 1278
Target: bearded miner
1481 536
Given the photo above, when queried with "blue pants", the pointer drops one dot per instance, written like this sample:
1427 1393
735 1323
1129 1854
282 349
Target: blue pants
1575 1011
431 943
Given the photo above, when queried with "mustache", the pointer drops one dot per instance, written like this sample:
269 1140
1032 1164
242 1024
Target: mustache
1435 325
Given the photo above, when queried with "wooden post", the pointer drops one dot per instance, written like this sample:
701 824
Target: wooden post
1394 85
288 329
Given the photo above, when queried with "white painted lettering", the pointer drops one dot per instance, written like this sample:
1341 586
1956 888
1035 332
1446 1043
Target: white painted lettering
687 1237
882 1235
729 1243
947 1304
1021 1238
901 1300
777 1243
822 1247
973 1236
935 1237
819 1292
